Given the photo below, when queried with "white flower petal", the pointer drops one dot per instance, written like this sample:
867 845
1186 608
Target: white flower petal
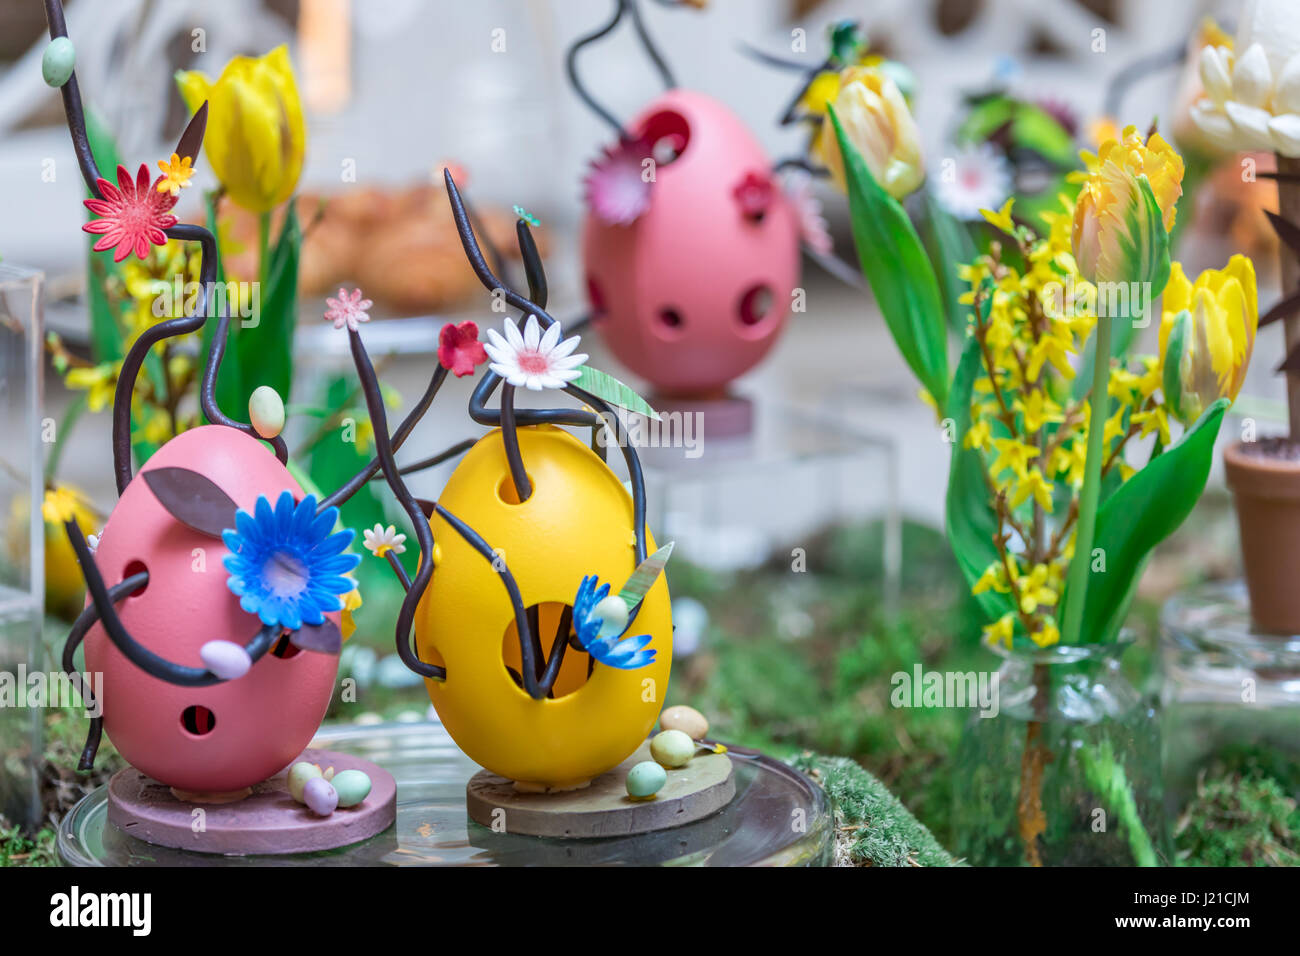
570 361
565 347
532 334
565 374
1252 80
1251 125
1286 94
1214 75
513 338
1214 124
1286 134
550 338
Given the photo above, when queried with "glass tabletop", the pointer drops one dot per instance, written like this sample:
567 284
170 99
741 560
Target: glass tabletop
777 818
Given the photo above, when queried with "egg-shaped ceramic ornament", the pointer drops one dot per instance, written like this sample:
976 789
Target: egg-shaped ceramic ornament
577 522
694 289
230 735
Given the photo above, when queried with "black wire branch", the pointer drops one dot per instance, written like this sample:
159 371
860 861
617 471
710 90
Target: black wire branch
85 620
151 663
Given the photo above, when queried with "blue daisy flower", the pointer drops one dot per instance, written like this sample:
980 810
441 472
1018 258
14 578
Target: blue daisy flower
606 646
286 565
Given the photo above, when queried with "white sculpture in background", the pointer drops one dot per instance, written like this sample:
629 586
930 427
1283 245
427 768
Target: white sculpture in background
1252 88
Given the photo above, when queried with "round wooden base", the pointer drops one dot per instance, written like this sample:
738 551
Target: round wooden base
603 809
269 821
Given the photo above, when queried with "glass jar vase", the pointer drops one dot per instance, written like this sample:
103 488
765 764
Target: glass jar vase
1067 772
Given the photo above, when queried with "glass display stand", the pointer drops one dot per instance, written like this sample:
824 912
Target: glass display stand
1231 695
734 502
778 817
22 556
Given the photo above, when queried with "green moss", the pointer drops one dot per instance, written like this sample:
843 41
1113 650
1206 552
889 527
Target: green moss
19 849
1239 821
873 828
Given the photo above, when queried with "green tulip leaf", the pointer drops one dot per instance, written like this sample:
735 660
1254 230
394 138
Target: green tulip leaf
266 350
1140 514
969 515
948 243
902 280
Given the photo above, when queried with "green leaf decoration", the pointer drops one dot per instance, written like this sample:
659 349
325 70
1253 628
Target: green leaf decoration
969 516
949 244
1144 511
609 389
1175 349
894 262
644 577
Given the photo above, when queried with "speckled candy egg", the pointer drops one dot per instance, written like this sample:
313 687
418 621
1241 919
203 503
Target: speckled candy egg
231 735
578 521
695 291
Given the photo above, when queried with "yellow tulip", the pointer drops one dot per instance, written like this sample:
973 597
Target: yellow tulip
255 136
876 121
1207 333
1116 220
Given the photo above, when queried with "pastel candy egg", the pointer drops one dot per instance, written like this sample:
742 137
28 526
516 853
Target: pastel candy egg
58 61
613 611
299 774
319 794
645 779
266 411
686 719
226 659
672 748
352 786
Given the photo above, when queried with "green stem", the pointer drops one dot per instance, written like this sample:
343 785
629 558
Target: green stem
1106 776
65 426
1089 495
264 249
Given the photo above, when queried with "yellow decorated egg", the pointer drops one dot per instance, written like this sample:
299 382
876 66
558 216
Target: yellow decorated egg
577 522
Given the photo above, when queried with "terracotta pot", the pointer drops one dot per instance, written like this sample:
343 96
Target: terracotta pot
1267 494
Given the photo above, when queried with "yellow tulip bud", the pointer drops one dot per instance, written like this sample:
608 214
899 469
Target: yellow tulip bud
256 136
1206 336
876 120
1125 209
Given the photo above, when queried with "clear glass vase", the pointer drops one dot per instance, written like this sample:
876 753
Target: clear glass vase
1068 771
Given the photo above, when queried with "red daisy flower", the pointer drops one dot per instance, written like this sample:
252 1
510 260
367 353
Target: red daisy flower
131 214
459 349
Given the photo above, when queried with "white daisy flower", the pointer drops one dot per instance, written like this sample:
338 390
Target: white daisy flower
534 360
380 540
978 177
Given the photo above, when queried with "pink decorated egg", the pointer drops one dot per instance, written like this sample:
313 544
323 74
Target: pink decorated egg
230 735
694 291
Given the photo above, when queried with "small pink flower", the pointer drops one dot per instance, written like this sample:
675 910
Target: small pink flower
459 349
348 309
617 190
132 215
754 195
812 224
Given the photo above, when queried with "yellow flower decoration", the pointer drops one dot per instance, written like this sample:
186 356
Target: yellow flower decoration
59 506
1002 218
176 173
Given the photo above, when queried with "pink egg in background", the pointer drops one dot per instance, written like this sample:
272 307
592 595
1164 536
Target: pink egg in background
255 725
694 292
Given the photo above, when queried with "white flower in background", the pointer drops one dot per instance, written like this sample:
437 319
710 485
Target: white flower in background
533 360
978 177
1253 88
812 224
92 542
380 540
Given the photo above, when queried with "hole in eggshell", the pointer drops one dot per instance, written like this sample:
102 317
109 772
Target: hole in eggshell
669 135
133 568
198 720
576 667
755 304
596 299
669 323
285 649
506 490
